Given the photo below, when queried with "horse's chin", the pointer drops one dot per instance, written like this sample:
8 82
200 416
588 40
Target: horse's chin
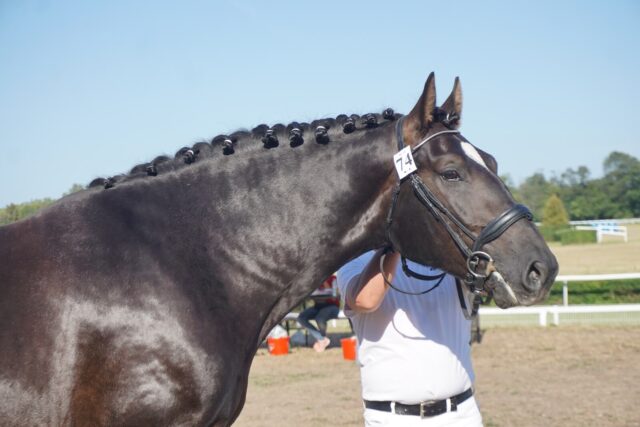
503 293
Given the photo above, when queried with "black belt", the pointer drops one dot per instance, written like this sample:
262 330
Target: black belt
430 408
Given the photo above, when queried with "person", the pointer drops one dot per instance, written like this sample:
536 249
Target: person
413 350
326 306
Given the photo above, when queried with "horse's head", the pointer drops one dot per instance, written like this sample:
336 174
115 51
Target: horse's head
455 213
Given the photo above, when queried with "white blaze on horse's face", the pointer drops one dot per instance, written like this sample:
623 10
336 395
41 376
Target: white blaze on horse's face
471 151
497 282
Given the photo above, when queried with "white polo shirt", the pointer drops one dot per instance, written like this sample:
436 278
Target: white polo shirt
412 348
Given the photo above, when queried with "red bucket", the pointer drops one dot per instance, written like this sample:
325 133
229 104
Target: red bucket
349 348
278 346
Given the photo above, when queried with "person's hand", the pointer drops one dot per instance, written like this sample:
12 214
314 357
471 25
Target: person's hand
369 288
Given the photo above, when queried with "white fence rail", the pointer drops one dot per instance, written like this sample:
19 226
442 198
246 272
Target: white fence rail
565 279
543 315
616 313
605 221
606 229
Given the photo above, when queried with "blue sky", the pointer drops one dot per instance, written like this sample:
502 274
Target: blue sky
90 89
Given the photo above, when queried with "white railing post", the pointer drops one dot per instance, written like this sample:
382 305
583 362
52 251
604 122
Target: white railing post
565 293
542 315
556 315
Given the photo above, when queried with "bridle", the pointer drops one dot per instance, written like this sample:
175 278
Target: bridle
474 255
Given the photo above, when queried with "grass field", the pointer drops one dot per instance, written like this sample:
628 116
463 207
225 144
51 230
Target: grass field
613 255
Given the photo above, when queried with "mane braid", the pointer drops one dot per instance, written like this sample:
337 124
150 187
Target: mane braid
292 135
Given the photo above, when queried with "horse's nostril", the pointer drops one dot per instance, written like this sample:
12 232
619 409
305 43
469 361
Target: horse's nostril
535 276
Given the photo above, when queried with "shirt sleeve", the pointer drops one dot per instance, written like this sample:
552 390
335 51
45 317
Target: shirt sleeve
348 274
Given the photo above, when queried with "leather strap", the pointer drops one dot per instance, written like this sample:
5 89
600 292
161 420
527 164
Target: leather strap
490 232
425 409
497 226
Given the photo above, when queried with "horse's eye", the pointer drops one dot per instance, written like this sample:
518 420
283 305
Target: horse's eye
450 175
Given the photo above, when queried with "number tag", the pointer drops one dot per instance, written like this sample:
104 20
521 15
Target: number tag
404 162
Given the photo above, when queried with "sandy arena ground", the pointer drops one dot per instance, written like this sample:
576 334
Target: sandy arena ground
529 376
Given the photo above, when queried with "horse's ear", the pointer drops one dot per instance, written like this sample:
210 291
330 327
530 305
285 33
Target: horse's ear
453 105
421 116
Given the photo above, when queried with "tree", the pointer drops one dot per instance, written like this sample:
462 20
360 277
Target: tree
554 213
593 203
615 195
622 183
74 189
12 212
534 191
573 178
617 161
508 182
9 214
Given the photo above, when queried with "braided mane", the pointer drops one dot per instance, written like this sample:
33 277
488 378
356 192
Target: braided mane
292 135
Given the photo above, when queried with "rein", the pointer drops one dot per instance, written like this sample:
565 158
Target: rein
475 280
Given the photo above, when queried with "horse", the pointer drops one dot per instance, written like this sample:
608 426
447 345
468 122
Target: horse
143 299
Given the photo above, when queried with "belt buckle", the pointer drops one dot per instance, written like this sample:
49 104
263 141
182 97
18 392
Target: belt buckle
427 407
424 405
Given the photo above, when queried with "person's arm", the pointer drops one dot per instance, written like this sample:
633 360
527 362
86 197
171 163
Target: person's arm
368 289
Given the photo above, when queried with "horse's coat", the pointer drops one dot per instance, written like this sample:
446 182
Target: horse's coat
144 303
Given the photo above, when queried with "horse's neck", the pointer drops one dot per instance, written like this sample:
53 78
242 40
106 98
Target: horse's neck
300 215
269 223
313 203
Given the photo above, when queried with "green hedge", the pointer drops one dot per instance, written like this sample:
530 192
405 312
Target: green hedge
567 235
576 237
600 292
550 232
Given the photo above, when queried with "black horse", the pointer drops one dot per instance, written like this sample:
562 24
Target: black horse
142 301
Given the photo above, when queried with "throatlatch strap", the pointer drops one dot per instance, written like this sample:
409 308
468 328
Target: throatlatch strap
412 273
441 277
394 200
